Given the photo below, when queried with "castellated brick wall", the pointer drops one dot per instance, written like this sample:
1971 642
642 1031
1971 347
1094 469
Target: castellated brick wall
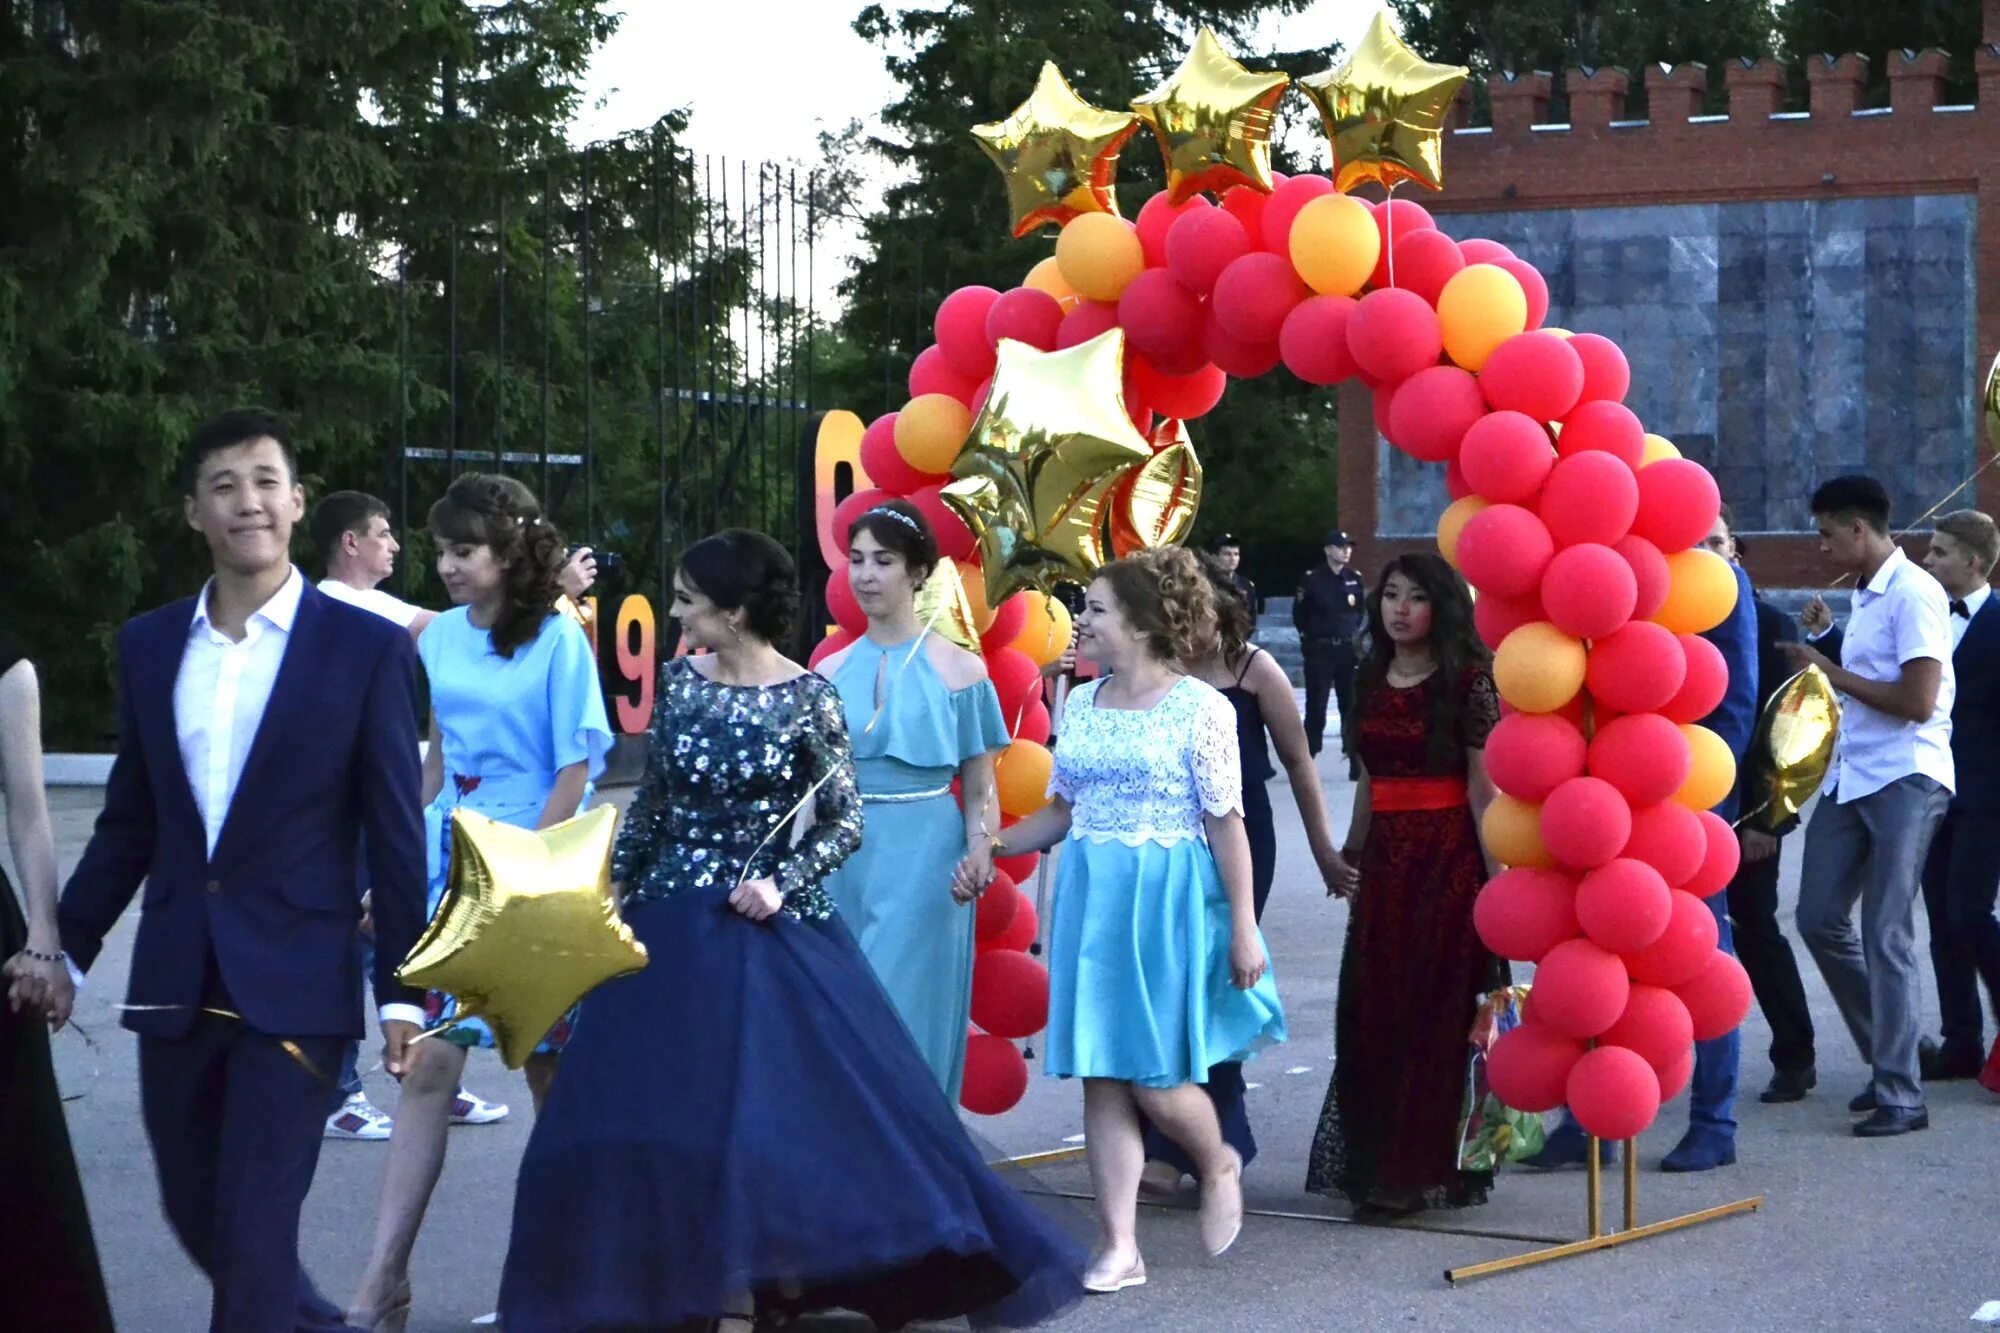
1800 293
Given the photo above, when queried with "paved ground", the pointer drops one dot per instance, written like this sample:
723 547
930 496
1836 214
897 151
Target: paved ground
1903 1234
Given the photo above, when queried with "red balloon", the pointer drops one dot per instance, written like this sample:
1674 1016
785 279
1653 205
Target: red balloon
1393 334
1721 855
979 396
1433 410
1027 315
1381 402
1020 933
1022 868
1643 755
1585 822
997 907
1682 949
1580 989
1507 456
1407 218
1536 374
1532 286
1157 217
1528 1068
1589 497
1669 838
1623 905
1480 250
1649 573
1606 373
1246 204
840 603
1606 427
1637 669
996 1075
1455 484
1495 616
1016 679
1033 724
1010 994
1613 1093
853 507
931 373
1201 243
1255 293
1246 360
1183 396
1677 1076
1425 261
1282 208
1007 621
1678 503
955 540
1524 912
1163 321
1504 549
830 645
1655 1026
961 331
1717 997
1086 320
884 463
1701 690
1589 591
1313 339
1528 755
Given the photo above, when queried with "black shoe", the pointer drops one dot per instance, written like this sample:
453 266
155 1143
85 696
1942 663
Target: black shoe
1889 1121
1864 1103
1941 1062
1791 1085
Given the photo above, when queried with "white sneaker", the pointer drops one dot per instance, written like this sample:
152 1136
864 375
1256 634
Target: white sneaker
469 1108
357 1118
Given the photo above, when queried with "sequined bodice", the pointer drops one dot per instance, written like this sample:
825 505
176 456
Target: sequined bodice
726 764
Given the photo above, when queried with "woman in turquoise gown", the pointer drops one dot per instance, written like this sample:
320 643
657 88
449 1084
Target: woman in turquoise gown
920 712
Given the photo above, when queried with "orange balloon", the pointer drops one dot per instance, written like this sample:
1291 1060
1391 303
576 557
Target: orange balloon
1712 776
1098 254
1538 668
1657 448
1334 244
975 594
930 430
1045 633
1021 774
1046 276
1453 522
1481 306
1512 831
1701 592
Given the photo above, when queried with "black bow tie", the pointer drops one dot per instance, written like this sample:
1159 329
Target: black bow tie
1958 608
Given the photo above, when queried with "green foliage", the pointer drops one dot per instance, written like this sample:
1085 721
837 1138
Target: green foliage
1876 29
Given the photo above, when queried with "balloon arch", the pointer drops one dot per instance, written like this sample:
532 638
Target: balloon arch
1045 433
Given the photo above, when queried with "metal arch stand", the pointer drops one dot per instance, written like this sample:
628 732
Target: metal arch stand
1599 1238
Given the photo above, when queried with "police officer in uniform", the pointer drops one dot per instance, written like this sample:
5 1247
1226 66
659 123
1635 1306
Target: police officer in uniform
1330 609
1229 554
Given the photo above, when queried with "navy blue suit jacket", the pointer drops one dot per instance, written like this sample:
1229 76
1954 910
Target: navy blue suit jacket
1735 718
334 757
1975 711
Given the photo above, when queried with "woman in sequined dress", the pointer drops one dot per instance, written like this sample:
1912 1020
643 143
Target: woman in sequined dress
743 1128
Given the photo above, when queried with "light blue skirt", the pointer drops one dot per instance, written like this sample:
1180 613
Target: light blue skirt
1139 985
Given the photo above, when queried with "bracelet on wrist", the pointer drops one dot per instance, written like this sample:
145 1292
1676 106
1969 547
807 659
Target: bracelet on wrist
40 957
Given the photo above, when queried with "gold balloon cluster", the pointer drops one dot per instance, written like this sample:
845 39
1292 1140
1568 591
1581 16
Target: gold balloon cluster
1795 739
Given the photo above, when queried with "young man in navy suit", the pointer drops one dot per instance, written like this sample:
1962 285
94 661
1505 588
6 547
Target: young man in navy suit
264 728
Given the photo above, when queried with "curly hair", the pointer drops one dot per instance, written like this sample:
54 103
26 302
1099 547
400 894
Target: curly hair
1165 596
1454 644
480 509
738 567
1235 622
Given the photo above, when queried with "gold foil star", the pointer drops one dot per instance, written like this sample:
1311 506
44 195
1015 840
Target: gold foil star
1213 119
1385 110
1057 152
1049 445
1155 503
527 925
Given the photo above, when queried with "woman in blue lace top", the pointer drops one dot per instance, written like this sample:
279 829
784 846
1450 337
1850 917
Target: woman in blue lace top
743 1128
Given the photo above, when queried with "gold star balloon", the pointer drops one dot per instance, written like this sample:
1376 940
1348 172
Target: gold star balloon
1213 119
1032 477
1385 110
1794 740
527 925
944 609
1057 153
1156 503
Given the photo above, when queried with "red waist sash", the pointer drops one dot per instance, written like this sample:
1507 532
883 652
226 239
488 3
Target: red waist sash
1395 795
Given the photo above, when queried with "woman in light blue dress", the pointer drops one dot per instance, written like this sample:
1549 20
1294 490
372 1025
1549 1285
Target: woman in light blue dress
1157 971
518 733
920 712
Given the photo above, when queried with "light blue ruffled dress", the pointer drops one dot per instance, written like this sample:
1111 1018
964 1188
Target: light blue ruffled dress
894 894
506 725
1139 978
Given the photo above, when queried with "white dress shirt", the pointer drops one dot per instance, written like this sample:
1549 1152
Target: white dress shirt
1973 601
1899 617
391 608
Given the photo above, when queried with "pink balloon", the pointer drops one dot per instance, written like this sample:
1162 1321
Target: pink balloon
1495 616
1682 949
955 540
1432 412
1623 905
1669 838
1086 320
1606 373
1507 457
1703 687
1678 503
1585 823
1407 218
1636 669
1532 286
1536 374
1504 549
1643 755
1721 855
1528 1068
1589 497
1655 1026
1164 321
1282 209
1649 575
931 373
961 331
1246 360
1528 755
1256 292
1201 243
1480 250
1608 427
1246 204
1313 340
840 603
1157 217
1613 1093
1027 315
883 462
1580 990
1183 396
1425 261
853 507
1393 334
1589 591
1717 997
1523 913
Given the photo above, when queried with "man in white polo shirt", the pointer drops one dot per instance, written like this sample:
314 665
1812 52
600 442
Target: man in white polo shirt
1891 780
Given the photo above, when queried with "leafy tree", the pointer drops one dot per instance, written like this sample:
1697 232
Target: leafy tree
1834 27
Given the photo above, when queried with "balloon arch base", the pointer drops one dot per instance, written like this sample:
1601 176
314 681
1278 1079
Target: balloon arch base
1599 1238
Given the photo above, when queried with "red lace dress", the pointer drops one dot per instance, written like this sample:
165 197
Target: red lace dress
1413 968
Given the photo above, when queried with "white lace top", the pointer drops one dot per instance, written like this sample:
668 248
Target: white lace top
1148 776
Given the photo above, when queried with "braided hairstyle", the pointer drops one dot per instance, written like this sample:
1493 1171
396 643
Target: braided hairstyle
1164 595
481 509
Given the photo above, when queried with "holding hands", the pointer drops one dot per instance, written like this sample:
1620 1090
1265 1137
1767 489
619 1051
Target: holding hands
1341 877
971 876
40 984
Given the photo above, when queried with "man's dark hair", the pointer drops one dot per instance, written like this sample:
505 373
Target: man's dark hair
1845 499
339 514
239 425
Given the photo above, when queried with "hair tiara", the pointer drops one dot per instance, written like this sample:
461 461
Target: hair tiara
896 514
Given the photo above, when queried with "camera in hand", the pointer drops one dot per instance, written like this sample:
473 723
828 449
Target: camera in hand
608 562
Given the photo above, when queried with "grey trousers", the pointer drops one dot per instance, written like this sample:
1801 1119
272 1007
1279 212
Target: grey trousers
1872 850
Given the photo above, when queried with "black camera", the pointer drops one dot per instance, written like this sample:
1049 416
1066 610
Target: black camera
608 562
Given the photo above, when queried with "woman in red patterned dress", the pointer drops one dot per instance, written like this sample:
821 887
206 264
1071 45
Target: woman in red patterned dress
1413 969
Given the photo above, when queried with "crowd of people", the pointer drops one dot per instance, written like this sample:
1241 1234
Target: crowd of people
811 846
